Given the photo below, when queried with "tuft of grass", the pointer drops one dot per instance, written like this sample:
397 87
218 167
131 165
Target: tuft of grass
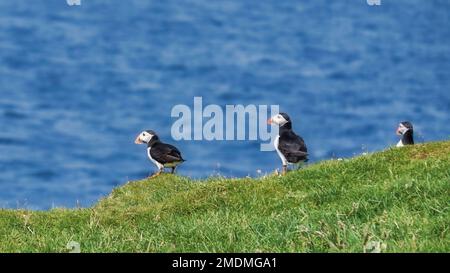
392 201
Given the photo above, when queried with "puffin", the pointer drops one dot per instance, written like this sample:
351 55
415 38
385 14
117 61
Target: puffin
406 131
290 147
161 154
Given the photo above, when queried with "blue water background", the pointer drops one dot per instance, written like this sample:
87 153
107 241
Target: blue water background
78 83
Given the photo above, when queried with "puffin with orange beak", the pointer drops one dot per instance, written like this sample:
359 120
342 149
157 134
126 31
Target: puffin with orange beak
161 154
405 130
290 147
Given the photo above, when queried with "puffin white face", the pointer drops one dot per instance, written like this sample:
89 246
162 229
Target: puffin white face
401 129
277 119
143 137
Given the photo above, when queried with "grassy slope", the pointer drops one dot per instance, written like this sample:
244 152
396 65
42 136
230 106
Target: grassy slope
399 197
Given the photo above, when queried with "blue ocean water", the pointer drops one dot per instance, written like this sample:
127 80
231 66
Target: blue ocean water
78 83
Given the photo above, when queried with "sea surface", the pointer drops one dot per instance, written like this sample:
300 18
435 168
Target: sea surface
78 83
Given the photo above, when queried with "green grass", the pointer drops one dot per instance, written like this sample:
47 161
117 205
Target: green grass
398 199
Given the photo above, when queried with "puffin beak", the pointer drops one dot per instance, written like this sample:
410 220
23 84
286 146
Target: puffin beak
269 121
138 140
398 131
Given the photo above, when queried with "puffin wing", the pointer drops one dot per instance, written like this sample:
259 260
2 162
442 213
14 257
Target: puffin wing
293 148
166 153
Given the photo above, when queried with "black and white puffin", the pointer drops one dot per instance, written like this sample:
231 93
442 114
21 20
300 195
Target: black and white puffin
290 147
405 129
161 154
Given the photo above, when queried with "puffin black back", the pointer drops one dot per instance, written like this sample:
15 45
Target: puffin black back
406 131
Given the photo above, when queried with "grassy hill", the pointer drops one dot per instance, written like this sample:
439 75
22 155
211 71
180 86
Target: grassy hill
392 201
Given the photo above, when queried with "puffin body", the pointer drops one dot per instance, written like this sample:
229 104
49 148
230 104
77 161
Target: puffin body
161 154
290 147
406 131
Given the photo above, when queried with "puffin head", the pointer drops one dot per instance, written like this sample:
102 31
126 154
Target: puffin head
145 137
279 119
403 127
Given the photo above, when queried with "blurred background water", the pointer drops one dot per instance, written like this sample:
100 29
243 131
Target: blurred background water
78 83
